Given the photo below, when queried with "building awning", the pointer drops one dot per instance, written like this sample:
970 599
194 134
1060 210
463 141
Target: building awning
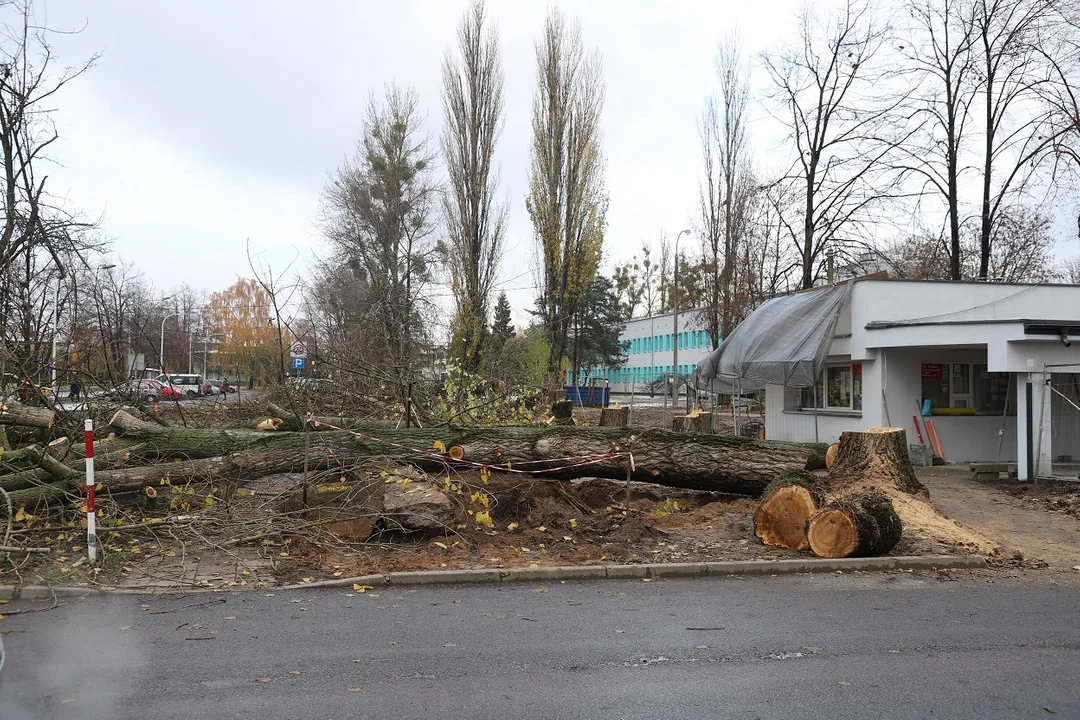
784 342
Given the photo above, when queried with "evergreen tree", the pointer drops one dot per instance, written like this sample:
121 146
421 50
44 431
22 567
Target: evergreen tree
501 330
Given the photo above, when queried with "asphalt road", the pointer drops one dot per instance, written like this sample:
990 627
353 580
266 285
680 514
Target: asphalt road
852 646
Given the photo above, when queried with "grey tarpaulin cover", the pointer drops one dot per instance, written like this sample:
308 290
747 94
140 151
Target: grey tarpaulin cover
783 342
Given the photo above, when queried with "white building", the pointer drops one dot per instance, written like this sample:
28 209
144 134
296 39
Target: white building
999 364
650 355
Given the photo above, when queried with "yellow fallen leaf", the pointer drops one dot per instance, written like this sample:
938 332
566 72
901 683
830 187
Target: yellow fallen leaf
362 588
541 529
208 502
484 518
442 545
439 445
449 645
242 492
511 527
4 602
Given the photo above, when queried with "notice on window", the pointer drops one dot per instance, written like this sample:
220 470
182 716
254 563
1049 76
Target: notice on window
933 371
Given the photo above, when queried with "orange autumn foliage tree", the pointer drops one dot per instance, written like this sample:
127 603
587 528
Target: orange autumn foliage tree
240 319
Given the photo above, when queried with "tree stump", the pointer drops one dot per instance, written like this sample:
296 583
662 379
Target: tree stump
863 525
788 503
614 416
563 412
878 456
696 422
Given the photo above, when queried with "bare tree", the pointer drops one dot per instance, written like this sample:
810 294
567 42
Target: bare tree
725 188
1018 127
473 103
378 210
940 46
567 201
831 94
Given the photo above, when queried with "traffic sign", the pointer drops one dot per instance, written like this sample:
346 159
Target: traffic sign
298 363
298 349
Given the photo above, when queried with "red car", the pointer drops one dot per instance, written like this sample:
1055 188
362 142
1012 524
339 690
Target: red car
168 392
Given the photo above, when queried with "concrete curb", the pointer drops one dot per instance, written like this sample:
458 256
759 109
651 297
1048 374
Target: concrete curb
655 570
552 574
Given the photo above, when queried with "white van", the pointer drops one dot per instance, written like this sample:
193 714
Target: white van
191 385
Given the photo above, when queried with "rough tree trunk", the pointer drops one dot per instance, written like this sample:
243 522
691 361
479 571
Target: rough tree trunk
704 462
862 525
787 505
14 414
295 423
878 456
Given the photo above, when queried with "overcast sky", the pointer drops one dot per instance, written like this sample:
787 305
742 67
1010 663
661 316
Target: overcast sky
205 124
208 124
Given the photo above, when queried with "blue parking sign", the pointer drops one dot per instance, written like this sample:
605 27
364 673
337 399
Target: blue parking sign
298 363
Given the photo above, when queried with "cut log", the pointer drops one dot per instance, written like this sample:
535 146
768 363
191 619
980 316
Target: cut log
614 417
830 455
295 423
15 414
348 509
876 457
703 462
419 510
788 503
863 525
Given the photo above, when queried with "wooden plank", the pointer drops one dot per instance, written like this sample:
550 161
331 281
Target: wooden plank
935 443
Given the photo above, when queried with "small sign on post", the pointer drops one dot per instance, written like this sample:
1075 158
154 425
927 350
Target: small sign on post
298 363
298 349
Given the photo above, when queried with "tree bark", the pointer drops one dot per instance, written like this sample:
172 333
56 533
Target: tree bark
295 423
863 525
703 462
878 456
788 503
15 414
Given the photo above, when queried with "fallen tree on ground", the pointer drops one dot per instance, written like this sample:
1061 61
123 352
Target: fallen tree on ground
700 462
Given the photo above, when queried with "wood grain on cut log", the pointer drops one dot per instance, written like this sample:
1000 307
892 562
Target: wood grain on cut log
862 525
878 457
701 462
830 455
786 506
614 417
15 414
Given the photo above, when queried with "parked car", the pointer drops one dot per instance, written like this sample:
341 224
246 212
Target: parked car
171 392
217 386
140 390
188 384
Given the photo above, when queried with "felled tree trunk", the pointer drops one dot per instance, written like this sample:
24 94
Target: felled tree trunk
787 505
295 423
614 417
878 456
15 414
862 525
704 462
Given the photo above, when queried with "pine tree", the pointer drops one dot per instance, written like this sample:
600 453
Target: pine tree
501 330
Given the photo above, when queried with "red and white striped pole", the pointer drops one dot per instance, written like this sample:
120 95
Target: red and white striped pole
91 517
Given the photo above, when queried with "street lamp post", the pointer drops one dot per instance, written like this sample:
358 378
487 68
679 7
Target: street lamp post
675 335
161 351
